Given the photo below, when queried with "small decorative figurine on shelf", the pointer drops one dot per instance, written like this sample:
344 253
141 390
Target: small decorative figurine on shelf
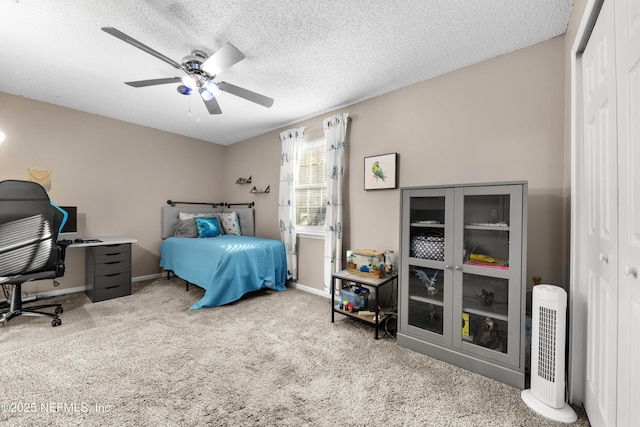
486 297
487 335
429 282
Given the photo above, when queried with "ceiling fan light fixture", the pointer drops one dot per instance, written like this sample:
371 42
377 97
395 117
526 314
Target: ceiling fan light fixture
184 90
206 95
213 88
189 82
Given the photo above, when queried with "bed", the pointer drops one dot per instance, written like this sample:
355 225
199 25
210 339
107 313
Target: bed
227 266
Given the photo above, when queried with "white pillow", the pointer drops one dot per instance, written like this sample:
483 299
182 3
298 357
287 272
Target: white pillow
187 215
230 223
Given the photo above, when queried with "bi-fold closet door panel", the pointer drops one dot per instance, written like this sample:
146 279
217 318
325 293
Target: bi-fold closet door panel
611 183
627 22
600 184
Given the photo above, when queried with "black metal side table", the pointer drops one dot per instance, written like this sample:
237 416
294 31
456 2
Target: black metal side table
372 282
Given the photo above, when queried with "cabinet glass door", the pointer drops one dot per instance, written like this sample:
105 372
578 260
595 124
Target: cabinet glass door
426 298
429 242
486 230
485 311
487 304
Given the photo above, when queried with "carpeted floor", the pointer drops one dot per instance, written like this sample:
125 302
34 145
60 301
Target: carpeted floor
24 331
271 359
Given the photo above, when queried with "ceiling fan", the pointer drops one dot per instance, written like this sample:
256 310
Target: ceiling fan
200 70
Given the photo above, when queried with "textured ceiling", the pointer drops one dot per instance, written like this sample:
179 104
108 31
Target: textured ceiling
311 56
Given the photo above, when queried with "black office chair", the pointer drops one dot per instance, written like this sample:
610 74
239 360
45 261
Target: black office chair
29 248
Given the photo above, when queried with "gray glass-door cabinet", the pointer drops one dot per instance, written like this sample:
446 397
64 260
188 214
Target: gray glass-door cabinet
462 276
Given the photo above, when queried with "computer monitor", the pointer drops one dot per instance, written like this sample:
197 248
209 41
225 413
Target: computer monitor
71 226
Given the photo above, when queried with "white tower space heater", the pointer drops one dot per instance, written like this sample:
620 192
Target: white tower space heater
549 329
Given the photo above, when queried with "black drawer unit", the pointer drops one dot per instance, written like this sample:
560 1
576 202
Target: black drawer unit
108 271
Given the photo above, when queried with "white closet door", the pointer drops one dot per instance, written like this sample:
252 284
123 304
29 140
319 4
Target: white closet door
628 66
599 94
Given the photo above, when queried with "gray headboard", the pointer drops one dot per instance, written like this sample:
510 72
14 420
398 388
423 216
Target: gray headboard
170 215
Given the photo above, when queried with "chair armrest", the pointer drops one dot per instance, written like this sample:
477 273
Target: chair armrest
62 251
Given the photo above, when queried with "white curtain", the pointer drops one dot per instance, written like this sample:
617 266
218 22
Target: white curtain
335 131
291 148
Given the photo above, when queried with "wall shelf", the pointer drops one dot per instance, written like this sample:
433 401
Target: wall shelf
260 190
242 180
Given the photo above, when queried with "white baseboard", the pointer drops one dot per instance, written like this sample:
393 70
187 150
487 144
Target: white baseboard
147 277
57 292
311 290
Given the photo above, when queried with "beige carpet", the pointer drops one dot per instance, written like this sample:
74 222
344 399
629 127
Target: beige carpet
271 359
23 331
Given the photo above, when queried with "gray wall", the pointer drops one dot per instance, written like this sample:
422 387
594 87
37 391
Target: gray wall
500 120
116 173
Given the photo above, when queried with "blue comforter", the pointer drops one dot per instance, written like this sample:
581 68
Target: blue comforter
227 267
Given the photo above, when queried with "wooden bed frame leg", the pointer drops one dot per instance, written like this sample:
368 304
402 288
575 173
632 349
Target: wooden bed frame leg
187 285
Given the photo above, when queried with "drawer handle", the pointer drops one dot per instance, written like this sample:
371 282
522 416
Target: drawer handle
113 262
111 275
114 254
112 287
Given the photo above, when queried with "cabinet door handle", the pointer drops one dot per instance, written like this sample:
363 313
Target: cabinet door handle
448 267
604 257
631 271
457 267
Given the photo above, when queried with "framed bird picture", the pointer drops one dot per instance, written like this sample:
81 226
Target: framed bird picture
380 172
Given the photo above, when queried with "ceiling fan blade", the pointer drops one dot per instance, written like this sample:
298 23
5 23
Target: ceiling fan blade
212 104
224 58
133 42
153 82
265 101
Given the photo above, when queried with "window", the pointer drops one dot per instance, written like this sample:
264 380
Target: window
311 189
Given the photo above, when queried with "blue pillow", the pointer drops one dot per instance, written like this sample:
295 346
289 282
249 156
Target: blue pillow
208 227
